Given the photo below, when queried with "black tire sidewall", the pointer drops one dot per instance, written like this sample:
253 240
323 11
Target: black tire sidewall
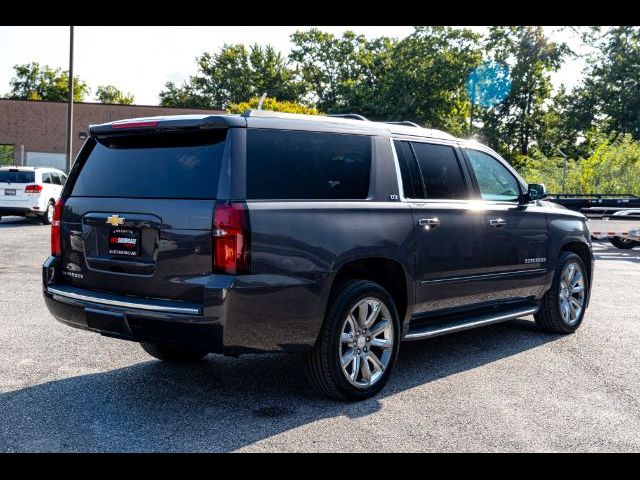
367 289
622 244
45 217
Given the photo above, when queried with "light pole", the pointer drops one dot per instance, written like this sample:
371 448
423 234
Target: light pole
70 105
564 171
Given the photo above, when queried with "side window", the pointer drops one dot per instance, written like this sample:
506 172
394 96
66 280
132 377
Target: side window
494 180
290 165
63 178
411 183
441 171
55 179
46 177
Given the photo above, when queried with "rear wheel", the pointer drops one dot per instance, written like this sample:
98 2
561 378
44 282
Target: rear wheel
563 306
47 218
357 347
173 353
623 243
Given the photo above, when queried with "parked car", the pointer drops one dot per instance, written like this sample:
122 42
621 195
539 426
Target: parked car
30 191
338 237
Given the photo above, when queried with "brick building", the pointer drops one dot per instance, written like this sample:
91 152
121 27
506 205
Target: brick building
37 129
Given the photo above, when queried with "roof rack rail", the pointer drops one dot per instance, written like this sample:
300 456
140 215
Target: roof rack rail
354 116
405 122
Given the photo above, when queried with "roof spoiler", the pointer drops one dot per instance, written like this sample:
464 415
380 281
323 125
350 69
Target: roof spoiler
164 124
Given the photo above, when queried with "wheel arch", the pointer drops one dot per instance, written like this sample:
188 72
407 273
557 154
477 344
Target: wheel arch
385 271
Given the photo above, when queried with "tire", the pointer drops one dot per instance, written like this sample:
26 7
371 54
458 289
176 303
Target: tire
623 243
173 353
550 317
324 365
48 214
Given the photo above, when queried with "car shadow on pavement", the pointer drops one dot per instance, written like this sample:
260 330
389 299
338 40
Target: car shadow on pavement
603 250
13 222
223 404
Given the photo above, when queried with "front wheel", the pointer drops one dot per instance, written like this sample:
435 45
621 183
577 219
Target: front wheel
173 353
358 345
623 243
563 306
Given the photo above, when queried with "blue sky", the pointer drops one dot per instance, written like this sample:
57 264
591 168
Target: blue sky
141 59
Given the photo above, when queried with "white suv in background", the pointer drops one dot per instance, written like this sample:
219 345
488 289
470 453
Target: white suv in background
30 191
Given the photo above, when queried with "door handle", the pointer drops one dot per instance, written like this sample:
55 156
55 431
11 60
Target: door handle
497 222
429 223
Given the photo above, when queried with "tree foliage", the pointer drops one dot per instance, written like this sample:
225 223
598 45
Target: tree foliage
110 94
273 105
35 82
233 75
6 154
515 124
613 167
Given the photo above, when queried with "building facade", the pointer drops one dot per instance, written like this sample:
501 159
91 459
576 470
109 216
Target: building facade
37 129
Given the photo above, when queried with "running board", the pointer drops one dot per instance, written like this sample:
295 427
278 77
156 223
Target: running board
444 327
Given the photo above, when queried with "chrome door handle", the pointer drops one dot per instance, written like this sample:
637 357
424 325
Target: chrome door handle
497 222
429 223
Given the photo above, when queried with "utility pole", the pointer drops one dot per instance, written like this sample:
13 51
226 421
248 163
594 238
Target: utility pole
70 105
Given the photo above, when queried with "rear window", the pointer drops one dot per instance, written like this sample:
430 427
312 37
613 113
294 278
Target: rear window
174 165
285 164
7 176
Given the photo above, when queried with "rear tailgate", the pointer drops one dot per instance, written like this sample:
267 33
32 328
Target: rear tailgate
138 214
12 188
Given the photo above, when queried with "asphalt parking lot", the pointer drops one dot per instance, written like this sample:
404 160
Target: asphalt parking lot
506 387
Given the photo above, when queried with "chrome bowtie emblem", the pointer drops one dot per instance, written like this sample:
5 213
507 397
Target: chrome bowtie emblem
115 220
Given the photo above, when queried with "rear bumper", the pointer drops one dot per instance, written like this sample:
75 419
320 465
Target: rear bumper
239 314
19 211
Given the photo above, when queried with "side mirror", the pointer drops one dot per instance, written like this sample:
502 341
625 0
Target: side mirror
536 191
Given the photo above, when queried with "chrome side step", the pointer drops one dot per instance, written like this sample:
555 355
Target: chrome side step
443 327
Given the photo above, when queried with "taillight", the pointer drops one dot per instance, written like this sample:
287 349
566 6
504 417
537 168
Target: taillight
231 238
33 189
56 246
134 124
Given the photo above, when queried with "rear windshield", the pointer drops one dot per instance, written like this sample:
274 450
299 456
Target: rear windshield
286 165
7 176
172 165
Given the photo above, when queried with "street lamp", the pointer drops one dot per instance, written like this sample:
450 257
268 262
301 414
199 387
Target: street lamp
70 105
564 170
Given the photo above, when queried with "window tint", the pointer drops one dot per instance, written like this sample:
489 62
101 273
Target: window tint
285 164
46 177
16 176
494 180
173 165
440 171
411 183
55 179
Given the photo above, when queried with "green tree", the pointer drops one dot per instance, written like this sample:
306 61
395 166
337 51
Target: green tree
35 82
609 97
419 78
515 124
235 74
273 105
110 94
6 155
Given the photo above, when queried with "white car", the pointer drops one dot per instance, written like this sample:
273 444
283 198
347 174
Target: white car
30 191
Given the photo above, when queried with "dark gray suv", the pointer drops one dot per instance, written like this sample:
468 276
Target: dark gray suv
338 237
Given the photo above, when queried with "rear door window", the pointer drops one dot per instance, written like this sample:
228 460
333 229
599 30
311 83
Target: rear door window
16 176
411 181
171 165
285 164
441 171
55 179
46 177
